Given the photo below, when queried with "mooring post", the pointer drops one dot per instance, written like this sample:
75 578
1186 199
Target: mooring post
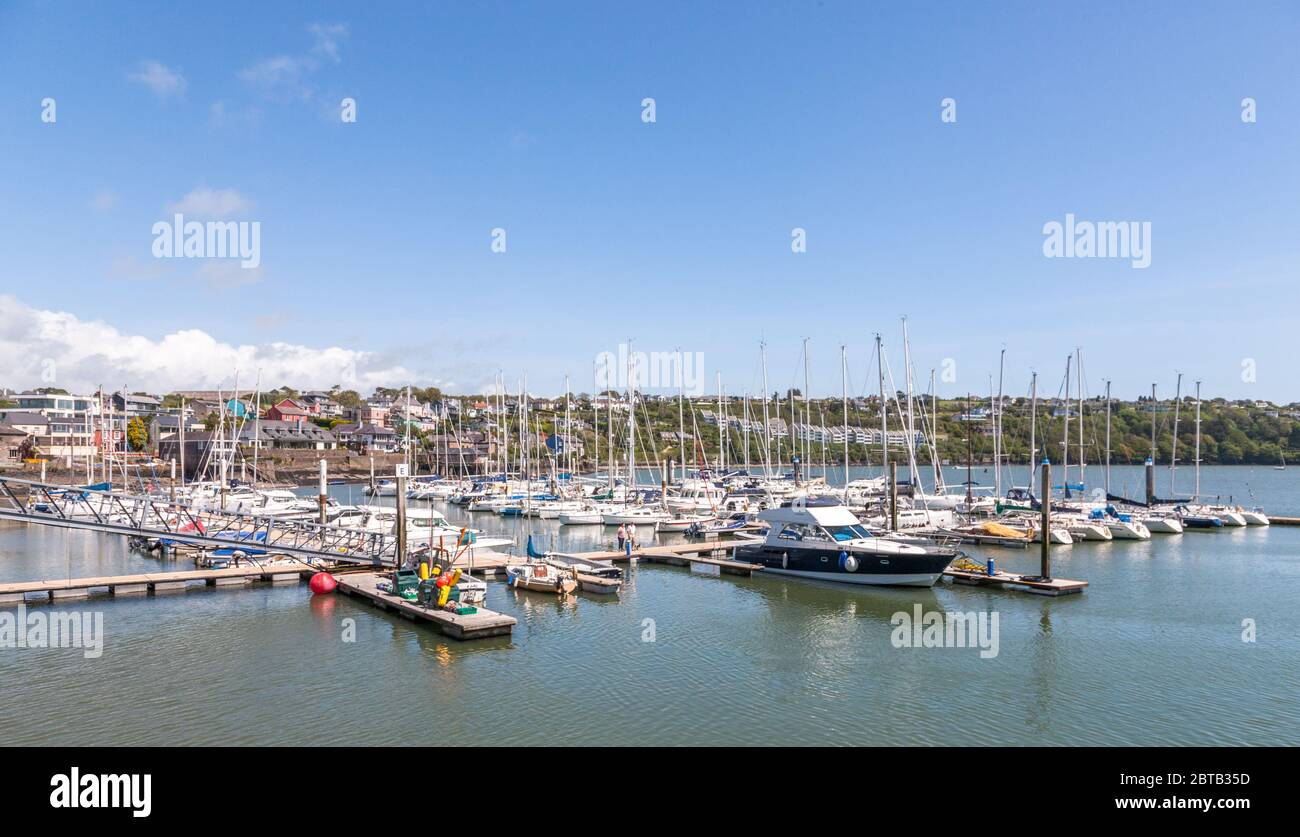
1045 570
1151 482
323 497
893 497
401 516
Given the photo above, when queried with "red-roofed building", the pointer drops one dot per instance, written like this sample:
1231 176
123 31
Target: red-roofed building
288 410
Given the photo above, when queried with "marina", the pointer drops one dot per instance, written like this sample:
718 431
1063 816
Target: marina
1207 584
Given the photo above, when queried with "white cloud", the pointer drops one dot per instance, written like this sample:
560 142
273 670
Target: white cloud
85 354
212 203
281 76
286 77
327 37
163 81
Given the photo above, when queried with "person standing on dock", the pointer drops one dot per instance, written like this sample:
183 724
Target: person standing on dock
622 536
631 535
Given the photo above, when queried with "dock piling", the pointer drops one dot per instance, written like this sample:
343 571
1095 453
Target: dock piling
1045 570
323 497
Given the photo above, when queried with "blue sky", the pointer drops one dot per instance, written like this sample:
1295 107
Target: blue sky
527 116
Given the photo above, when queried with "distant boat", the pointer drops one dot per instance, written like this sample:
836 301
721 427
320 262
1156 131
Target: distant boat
1281 467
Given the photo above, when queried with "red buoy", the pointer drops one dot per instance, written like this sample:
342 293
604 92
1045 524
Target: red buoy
323 583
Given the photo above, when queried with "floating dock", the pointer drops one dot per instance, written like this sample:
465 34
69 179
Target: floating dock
485 623
1015 581
80 588
694 555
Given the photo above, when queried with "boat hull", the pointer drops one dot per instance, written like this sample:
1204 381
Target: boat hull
882 569
1164 525
1129 530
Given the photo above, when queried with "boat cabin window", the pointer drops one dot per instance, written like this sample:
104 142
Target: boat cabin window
847 533
797 532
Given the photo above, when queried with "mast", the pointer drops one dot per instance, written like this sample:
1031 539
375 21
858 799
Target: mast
767 426
181 428
722 430
1078 375
406 427
934 425
568 429
844 398
1197 492
1173 452
1153 423
681 419
1065 439
970 449
1107 439
257 424
631 418
794 435
1033 428
997 429
911 423
884 409
807 404
745 427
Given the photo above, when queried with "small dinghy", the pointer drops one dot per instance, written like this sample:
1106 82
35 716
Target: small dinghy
592 576
541 577
685 522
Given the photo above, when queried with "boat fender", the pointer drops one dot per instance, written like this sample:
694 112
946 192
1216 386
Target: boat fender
848 563
785 560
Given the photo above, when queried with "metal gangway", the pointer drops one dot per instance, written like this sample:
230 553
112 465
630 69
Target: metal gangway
145 516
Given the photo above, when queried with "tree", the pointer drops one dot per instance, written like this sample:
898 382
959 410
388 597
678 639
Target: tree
28 449
137 434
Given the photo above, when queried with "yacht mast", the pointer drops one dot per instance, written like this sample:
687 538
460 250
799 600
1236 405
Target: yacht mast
913 475
1107 439
745 428
681 416
1065 439
1153 423
1078 375
724 427
884 409
767 426
934 447
807 405
997 429
1173 451
844 398
1033 429
631 416
257 424
1197 493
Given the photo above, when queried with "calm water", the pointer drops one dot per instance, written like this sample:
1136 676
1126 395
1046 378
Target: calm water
1150 654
